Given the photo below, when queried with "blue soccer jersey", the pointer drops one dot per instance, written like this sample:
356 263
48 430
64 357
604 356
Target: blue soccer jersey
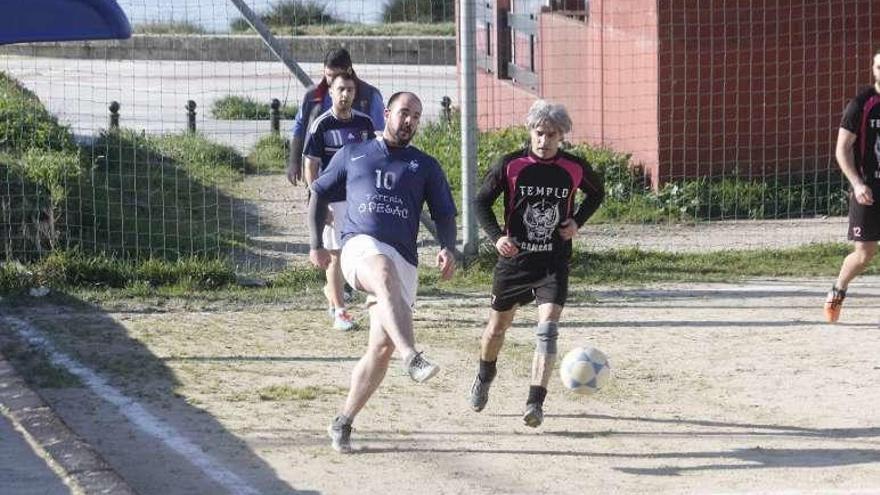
385 190
329 134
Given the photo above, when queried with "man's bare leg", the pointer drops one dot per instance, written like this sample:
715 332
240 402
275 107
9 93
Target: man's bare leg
542 362
852 266
490 346
379 277
855 263
366 377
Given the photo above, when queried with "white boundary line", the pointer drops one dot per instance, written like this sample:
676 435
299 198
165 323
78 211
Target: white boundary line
131 409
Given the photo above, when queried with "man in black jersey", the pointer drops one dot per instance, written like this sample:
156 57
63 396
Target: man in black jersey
539 184
858 154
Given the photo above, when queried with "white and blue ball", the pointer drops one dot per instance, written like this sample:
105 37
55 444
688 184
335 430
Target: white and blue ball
584 370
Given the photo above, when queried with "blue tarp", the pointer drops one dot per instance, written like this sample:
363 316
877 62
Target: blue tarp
24 21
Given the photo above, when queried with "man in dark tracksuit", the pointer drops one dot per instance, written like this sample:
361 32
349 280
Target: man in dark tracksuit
316 101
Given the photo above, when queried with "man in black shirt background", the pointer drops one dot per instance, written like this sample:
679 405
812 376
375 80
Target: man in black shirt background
858 154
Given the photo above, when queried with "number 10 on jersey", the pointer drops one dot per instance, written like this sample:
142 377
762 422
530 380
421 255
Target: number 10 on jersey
384 179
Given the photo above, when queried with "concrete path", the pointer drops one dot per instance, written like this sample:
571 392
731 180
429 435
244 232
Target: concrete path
153 94
22 470
39 454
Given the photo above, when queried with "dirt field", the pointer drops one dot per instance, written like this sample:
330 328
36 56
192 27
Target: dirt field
716 389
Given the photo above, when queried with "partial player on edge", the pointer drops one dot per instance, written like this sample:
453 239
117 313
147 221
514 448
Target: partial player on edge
858 155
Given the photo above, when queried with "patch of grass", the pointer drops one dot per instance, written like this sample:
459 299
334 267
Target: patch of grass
298 278
289 393
422 11
15 278
125 195
204 160
290 13
25 123
628 196
36 368
159 197
245 108
636 267
174 27
28 214
269 154
214 281
72 269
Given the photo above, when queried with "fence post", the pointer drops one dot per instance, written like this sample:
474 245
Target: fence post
446 104
468 100
191 116
114 115
275 116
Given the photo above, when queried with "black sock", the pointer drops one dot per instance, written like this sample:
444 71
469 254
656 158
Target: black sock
537 395
487 370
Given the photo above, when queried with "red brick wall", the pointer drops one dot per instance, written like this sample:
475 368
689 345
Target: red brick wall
758 86
706 87
622 61
611 94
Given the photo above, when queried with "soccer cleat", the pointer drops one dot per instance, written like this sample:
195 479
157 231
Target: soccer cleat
833 304
479 394
340 437
419 368
534 415
342 320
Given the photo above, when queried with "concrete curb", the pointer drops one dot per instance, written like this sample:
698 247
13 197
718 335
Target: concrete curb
409 50
74 460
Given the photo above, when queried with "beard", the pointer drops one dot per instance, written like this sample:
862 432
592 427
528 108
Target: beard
403 135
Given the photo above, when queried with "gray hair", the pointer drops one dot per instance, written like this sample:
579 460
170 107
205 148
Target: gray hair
552 114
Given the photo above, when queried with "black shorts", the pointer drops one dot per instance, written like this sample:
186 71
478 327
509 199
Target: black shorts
517 284
864 221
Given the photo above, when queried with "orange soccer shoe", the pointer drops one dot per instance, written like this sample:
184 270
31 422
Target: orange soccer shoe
833 304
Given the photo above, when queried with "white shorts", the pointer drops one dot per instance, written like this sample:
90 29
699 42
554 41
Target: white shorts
332 234
363 246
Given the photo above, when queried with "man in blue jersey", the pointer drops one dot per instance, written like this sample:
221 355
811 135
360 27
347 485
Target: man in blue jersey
333 129
385 182
367 100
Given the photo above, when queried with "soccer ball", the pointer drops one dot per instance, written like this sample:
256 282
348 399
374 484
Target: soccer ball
584 370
